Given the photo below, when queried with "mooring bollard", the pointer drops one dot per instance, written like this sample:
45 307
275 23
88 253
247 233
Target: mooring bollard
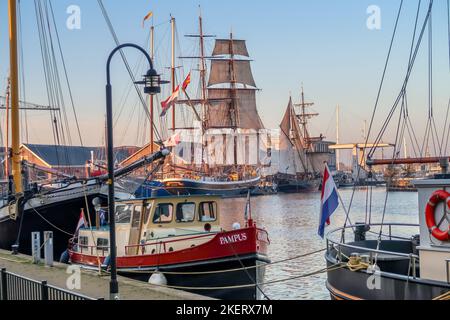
36 247
48 248
44 291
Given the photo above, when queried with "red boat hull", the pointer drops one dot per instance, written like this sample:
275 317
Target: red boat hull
244 251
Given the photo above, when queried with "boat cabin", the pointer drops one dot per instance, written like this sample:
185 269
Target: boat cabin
154 226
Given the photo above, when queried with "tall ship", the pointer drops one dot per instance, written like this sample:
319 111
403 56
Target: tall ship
220 153
301 155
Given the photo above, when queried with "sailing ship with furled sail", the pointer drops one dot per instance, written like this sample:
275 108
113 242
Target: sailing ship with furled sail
221 155
301 156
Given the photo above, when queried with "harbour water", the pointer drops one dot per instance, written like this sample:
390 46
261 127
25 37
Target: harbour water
292 222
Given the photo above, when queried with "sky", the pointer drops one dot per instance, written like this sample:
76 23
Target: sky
324 45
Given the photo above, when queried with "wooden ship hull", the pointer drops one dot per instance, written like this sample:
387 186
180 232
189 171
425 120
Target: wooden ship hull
198 187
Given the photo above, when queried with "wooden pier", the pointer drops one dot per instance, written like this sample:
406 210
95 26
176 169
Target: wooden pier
92 284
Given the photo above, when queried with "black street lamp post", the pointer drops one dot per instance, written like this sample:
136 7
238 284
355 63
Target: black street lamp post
151 84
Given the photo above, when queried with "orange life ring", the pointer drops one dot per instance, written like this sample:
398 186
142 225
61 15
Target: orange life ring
437 197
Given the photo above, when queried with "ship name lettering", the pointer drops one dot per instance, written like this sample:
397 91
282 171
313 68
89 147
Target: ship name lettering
233 239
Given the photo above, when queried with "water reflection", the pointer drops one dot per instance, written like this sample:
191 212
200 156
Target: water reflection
292 222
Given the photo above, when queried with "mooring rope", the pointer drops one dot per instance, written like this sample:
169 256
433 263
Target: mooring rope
443 297
51 224
306 275
236 269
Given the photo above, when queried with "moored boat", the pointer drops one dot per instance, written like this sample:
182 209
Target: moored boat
181 239
407 262
225 189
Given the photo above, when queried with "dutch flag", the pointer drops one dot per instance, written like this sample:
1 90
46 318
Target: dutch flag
81 222
329 201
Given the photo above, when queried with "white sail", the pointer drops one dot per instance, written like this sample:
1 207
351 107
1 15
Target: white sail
292 155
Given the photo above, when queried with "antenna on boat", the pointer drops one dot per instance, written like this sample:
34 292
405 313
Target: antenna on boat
248 209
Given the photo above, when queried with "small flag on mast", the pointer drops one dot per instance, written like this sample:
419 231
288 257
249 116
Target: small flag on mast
173 141
329 201
81 222
166 104
147 17
187 82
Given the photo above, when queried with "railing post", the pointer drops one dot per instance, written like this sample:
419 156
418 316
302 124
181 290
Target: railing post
448 270
4 288
44 291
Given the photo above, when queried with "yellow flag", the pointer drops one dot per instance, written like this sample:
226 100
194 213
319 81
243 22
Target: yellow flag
147 17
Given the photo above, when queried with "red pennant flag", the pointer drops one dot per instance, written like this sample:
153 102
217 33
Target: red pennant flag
187 82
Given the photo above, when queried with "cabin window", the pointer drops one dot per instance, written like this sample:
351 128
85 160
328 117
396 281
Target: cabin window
84 241
208 211
136 222
102 244
163 213
148 210
123 214
186 212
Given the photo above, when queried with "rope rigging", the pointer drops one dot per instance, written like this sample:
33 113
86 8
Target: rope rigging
127 65
347 219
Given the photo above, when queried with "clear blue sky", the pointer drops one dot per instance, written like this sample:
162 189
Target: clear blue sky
323 43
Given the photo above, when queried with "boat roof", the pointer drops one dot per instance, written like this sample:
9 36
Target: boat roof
175 198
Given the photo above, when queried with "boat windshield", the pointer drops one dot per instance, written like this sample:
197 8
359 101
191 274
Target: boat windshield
123 214
163 213
186 212
208 211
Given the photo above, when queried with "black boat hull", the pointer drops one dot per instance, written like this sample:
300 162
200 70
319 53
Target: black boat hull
345 284
61 218
225 189
298 187
242 281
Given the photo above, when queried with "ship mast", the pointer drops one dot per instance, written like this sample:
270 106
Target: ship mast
338 160
172 23
233 114
7 129
204 88
14 74
304 119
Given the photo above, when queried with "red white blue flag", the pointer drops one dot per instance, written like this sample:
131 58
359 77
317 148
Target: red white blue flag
330 201
169 102
81 222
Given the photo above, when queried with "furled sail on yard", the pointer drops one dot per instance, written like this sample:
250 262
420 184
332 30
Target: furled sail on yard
232 88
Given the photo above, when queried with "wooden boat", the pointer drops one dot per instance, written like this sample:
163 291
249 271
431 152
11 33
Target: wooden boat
182 239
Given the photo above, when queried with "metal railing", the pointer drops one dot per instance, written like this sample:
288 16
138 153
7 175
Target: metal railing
17 288
337 246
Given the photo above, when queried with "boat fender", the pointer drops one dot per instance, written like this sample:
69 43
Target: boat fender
236 226
158 279
437 197
65 257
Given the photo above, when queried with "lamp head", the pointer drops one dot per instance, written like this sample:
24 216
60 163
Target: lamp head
151 82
